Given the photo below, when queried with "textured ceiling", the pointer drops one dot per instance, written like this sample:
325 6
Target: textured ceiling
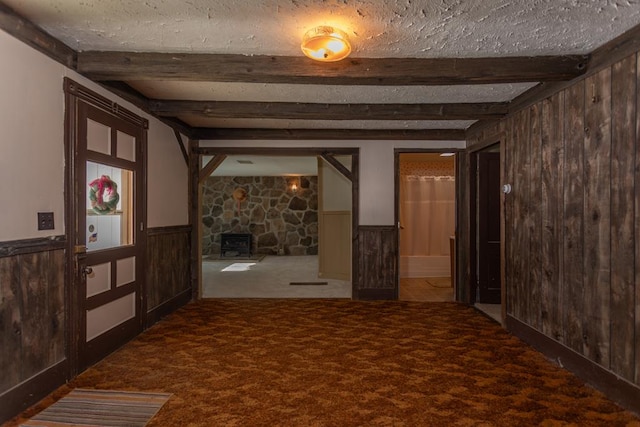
377 28
382 28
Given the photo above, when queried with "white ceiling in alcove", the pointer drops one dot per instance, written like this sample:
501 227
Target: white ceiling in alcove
265 165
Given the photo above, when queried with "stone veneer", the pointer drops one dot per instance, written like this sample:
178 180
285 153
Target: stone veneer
280 221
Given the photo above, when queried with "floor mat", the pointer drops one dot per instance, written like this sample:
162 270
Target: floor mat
101 408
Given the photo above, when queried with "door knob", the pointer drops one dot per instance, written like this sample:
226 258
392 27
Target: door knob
87 270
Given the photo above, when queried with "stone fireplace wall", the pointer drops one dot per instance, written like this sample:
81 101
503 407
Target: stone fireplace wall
281 221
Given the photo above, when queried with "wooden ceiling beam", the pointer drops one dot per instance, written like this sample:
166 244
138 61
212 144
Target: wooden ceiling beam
604 56
329 134
126 92
25 31
354 71
316 111
183 150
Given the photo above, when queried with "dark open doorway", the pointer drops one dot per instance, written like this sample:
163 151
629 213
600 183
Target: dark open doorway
485 233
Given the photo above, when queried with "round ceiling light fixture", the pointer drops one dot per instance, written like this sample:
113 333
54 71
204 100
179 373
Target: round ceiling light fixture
326 44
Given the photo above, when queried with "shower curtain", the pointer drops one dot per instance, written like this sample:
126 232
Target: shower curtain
427 215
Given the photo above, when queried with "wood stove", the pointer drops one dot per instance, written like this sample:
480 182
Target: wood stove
235 244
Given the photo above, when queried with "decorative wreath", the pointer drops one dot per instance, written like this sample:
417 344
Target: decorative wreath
239 195
103 195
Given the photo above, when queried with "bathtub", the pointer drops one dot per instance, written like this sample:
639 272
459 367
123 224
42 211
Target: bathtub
425 266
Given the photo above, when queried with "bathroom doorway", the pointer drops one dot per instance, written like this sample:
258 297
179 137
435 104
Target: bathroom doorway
425 207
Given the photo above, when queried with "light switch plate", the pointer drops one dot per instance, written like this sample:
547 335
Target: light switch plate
45 221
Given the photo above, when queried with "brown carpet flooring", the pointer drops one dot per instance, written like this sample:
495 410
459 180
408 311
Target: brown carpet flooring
344 363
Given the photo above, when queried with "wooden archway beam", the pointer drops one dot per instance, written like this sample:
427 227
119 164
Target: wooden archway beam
210 167
329 158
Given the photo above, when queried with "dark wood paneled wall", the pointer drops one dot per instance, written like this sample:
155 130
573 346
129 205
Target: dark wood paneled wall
625 241
463 229
32 318
32 314
552 211
572 248
377 265
168 269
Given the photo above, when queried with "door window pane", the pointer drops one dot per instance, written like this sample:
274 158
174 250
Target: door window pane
126 146
98 137
109 207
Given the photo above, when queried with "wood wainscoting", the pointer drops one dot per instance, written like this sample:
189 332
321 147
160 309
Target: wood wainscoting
168 270
377 263
32 322
33 318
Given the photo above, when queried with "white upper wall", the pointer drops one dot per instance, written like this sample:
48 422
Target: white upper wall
336 188
32 147
168 178
31 141
32 152
377 181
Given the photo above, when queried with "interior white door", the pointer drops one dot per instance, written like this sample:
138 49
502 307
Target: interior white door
334 221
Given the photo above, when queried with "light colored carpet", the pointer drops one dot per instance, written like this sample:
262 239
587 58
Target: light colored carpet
218 257
269 278
272 275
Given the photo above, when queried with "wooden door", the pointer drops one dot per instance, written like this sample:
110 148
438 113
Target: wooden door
488 228
107 231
